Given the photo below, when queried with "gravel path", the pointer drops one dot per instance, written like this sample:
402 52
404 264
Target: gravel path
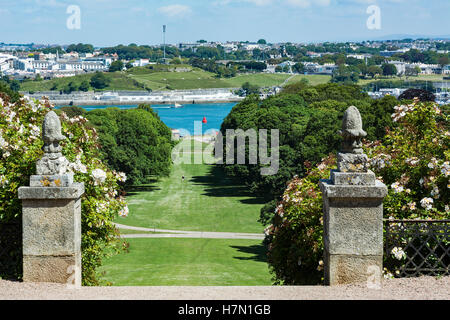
163 233
423 288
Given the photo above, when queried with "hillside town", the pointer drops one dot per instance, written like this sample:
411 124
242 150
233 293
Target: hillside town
343 62
21 60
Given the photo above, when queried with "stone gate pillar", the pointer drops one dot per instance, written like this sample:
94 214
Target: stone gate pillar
51 215
353 212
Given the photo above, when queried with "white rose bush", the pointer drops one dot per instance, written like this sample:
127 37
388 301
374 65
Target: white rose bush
21 143
413 162
417 174
417 169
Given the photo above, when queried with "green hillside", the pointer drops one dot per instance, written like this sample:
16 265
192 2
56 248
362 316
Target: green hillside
162 77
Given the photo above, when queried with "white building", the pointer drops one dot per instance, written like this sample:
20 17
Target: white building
315 68
140 63
230 47
105 60
446 69
360 56
24 64
6 62
400 66
41 65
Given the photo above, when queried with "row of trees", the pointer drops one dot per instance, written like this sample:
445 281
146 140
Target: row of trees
412 160
349 74
125 146
307 118
134 141
101 203
338 53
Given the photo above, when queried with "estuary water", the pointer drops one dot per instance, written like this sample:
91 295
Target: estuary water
183 118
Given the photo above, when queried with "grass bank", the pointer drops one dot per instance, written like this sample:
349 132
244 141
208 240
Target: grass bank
158 79
189 262
206 200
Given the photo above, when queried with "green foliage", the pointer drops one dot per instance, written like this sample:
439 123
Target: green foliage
20 126
345 74
373 71
99 81
295 236
133 141
7 90
307 118
128 65
296 87
116 66
70 87
80 48
413 161
141 52
381 84
53 50
299 67
248 89
71 111
84 86
389 69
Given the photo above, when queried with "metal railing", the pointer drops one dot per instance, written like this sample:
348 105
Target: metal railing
417 247
10 250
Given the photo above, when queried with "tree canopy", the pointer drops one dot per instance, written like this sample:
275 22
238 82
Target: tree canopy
133 141
99 81
80 48
308 119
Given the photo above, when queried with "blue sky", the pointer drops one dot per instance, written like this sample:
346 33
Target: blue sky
112 22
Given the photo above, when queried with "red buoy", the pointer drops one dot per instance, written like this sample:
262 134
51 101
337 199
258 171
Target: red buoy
204 120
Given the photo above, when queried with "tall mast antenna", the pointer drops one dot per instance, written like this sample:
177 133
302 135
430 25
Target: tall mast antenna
164 39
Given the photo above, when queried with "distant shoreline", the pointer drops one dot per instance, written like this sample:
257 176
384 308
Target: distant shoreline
114 102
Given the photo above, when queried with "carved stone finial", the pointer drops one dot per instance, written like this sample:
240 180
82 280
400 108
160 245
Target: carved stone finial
51 134
53 162
351 158
352 131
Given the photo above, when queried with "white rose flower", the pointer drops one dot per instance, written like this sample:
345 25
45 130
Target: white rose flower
412 206
124 212
99 176
3 181
122 176
427 203
398 253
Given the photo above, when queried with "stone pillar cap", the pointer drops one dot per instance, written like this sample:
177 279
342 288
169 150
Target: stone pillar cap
75 191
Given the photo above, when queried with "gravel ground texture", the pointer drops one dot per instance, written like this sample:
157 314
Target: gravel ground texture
422 288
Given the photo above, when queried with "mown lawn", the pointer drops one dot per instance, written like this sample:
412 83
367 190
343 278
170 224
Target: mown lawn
206 200
119 81
313 79
189 262
158 80
201 79
180 80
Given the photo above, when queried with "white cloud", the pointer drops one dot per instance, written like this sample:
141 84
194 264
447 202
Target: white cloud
295 3
260 2
308 3
255 2
175 10
299 3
